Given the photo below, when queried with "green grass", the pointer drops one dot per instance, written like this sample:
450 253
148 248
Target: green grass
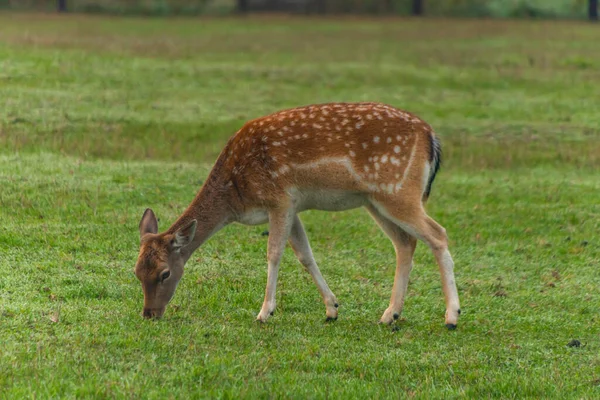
102 118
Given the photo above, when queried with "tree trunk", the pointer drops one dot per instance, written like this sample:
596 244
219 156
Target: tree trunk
61 5
242 6
417 7
593 10
316 6
388 6
321 7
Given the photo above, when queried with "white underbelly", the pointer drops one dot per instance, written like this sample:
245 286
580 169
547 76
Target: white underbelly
324 200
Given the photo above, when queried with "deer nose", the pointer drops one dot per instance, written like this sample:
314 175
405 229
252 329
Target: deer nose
152 313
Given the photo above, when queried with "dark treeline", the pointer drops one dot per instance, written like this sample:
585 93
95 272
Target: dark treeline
466 8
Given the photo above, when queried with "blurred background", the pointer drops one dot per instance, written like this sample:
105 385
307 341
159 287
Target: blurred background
111 106
458 8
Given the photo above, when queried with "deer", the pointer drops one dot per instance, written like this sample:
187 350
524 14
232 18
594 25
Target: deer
330 157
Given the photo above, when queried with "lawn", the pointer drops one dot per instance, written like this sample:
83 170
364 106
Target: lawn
102 117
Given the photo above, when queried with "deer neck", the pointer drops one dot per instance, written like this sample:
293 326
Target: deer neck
211 208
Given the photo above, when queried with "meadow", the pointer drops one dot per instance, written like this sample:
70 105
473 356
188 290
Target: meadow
102 117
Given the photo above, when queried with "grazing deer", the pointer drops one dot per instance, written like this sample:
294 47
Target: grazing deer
332 157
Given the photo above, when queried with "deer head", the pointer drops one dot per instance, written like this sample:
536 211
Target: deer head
159 266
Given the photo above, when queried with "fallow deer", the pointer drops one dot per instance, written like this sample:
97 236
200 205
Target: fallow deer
332 157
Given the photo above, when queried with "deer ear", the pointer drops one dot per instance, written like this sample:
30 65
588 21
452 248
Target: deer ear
184 235
148 224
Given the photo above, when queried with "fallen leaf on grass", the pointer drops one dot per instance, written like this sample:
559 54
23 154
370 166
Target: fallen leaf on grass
55 316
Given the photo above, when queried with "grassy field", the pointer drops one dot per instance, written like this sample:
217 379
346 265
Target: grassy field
103 117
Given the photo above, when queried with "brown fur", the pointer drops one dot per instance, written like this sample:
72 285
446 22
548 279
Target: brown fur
349 154
153 250
258 151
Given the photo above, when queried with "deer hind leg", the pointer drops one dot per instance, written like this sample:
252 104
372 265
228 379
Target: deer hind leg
280 224
301 247
414 221
404 244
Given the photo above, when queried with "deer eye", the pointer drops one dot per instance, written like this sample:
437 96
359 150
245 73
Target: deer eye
165 275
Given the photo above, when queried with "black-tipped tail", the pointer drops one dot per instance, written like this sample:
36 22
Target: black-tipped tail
435 160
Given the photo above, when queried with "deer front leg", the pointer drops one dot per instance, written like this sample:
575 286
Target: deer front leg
301 247
280 223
